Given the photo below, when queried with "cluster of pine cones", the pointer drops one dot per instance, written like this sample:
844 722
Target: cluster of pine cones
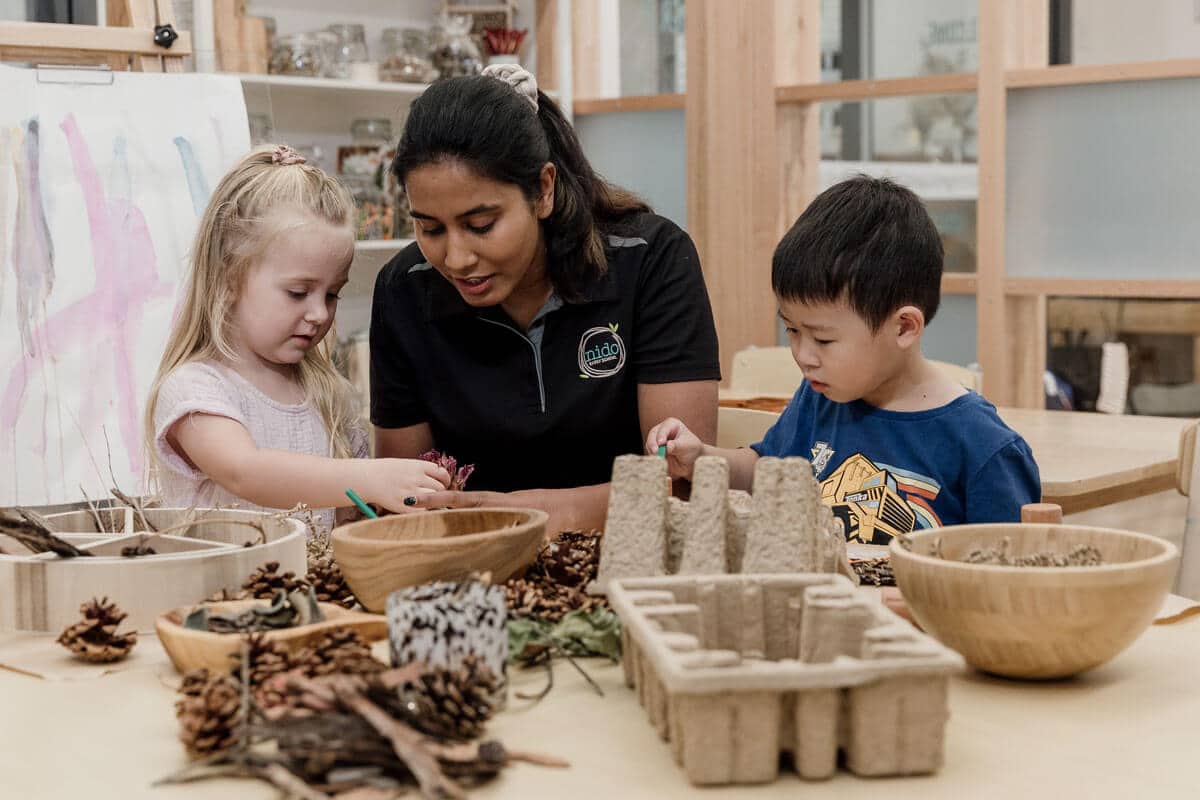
448 704
555 584
95 637
324 575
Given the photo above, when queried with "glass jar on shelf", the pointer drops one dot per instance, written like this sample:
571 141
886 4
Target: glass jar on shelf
298 55
453 51
350 57
406 56
375 208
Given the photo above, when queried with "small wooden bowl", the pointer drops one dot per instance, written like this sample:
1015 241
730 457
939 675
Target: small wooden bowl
190 649
379 556
1035 622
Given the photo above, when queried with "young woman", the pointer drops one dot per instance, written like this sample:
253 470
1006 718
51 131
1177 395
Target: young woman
544 320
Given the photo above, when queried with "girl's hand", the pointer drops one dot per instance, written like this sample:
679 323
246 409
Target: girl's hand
391 480
683 446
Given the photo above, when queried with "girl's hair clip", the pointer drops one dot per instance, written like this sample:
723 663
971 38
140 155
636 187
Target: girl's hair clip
518 78
286 156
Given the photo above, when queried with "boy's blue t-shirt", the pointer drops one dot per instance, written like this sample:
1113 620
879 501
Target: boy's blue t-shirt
889 472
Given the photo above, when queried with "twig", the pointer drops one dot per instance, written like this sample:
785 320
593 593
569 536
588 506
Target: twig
32 517
198 522
579 669
548 660
136 505
405 741
539 759
290 783
95 514
38 538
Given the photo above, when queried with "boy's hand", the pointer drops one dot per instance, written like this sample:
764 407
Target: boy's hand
391 480
683 446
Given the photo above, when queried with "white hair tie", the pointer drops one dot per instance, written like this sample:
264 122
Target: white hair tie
517 77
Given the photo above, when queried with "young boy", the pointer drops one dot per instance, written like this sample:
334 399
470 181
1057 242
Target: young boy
895 443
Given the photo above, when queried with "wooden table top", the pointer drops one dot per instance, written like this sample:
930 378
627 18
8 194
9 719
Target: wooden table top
1086 459
1119 731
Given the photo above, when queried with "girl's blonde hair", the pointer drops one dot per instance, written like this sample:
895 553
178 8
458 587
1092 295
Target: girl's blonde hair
239 224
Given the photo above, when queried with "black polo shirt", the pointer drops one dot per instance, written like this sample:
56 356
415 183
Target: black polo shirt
548 407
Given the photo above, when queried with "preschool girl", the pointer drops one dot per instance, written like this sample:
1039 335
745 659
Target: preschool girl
247 409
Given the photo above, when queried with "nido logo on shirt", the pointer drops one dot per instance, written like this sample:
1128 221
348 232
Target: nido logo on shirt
601 352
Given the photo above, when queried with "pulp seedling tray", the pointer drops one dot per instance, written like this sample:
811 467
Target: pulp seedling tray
735 669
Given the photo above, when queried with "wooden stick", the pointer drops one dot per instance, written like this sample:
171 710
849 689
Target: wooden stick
405 741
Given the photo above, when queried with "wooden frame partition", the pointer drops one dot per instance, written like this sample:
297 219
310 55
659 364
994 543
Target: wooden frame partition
739 143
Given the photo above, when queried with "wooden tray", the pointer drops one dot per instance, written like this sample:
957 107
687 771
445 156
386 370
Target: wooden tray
191 649
43 592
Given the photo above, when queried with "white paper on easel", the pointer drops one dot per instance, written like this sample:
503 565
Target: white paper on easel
101 188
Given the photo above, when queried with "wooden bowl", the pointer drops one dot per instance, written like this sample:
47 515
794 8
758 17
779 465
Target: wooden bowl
379 556
190 649
1035 622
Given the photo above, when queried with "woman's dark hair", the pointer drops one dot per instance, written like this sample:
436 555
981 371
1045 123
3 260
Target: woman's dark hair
485 123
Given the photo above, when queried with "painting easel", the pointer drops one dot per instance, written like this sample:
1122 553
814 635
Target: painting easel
127 43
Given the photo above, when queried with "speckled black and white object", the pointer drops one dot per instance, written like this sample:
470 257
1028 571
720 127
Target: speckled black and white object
439 624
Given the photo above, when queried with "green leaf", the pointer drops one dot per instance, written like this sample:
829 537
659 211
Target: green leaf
594 634
197 620
526 636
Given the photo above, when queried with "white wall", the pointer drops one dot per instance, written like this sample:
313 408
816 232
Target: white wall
12 10
1114 31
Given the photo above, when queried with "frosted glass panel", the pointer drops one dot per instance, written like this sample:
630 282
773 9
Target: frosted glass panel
951 335
1101 181
642 151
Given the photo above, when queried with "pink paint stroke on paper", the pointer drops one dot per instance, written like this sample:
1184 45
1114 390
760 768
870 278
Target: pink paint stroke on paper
126 280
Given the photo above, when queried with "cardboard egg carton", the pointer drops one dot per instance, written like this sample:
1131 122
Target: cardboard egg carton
783 527
735 669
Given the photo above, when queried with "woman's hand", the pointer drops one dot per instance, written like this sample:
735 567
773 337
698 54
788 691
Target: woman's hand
581 508
683 446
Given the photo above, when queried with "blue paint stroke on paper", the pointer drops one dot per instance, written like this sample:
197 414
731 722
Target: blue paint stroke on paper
197 186
33 250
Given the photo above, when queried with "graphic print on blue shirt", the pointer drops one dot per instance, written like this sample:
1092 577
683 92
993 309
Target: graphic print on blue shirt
884 473
876 501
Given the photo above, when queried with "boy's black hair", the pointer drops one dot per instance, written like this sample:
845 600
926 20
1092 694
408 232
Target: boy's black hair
486 124
868 240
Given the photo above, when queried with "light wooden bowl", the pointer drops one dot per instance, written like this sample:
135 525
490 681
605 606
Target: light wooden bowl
379 556
191 649
1035 622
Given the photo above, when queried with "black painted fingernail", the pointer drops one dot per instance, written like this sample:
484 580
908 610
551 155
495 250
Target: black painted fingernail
410 501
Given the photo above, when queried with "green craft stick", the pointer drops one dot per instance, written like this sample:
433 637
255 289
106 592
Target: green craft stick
363 507
662 451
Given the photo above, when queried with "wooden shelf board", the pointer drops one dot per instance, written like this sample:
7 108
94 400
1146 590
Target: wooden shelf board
1096 287
651 102
958 282
875 89
1079 74
292 83
1039 77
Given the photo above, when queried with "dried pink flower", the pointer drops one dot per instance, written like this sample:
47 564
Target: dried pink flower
458 475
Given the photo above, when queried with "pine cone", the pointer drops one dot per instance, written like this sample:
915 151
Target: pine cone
266 658
209 712
571 559
326 578
95 637
451 704
265 581
341 650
